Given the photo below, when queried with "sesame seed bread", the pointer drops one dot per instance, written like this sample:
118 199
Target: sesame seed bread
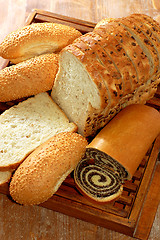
28 78
36 39
43 171
25 126
101 61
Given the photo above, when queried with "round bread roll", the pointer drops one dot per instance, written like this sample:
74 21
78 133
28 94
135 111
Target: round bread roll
43 171
36 39
28 78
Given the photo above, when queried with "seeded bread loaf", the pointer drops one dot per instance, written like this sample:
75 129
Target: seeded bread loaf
43 171
25 126
36 39
28 78
103 71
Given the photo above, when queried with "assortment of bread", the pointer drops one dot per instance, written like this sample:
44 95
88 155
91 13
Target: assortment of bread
108 73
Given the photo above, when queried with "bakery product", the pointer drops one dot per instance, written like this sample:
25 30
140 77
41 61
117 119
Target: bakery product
44 170
28 78
36 39
116 152
25 126
105 70
5 176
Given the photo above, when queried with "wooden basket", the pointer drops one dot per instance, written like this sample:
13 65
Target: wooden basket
127 214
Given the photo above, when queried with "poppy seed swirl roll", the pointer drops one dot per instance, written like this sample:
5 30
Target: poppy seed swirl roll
99 176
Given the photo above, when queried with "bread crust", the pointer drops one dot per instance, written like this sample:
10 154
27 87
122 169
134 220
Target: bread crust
28 78
131 48
41 174
36 39
129 135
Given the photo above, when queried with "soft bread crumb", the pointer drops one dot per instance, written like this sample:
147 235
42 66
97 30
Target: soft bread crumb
43 171
5 176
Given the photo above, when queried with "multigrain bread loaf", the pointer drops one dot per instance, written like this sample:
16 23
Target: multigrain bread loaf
103 71
43 171
116 152
28 78
36 39
25 126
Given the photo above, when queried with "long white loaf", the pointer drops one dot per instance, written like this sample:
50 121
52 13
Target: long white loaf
103 71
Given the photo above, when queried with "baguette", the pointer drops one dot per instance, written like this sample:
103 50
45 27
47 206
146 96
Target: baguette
42 173
36 39
104 71
116 152
25 126
28 78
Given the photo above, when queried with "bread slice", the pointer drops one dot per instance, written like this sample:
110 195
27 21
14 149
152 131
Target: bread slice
27 125
36 39
5 177
82 70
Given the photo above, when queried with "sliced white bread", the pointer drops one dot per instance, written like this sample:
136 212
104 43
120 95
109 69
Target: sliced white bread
101 72
25 126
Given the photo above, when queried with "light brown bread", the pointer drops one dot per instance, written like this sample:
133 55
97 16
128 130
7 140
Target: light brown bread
120 63
28 78
128 136
42 173
36 39
116 152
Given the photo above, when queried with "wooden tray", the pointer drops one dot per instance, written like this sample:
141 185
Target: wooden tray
127 214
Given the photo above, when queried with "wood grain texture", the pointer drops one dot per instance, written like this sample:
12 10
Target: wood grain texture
33 222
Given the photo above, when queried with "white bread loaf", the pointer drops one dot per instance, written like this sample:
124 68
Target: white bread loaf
25 126
103 71
36 39
43 171
28 78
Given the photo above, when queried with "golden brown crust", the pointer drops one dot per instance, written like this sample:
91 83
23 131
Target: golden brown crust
131 48
28 78
77 50
36 39
129 135
41 174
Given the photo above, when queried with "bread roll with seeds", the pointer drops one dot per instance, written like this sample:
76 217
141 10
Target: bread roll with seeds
44 170
105 71
28 78
36 39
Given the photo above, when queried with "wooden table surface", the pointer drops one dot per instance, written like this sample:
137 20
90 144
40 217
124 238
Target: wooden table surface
34 222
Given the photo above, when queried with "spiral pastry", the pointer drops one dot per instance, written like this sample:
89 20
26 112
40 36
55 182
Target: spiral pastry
99 176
